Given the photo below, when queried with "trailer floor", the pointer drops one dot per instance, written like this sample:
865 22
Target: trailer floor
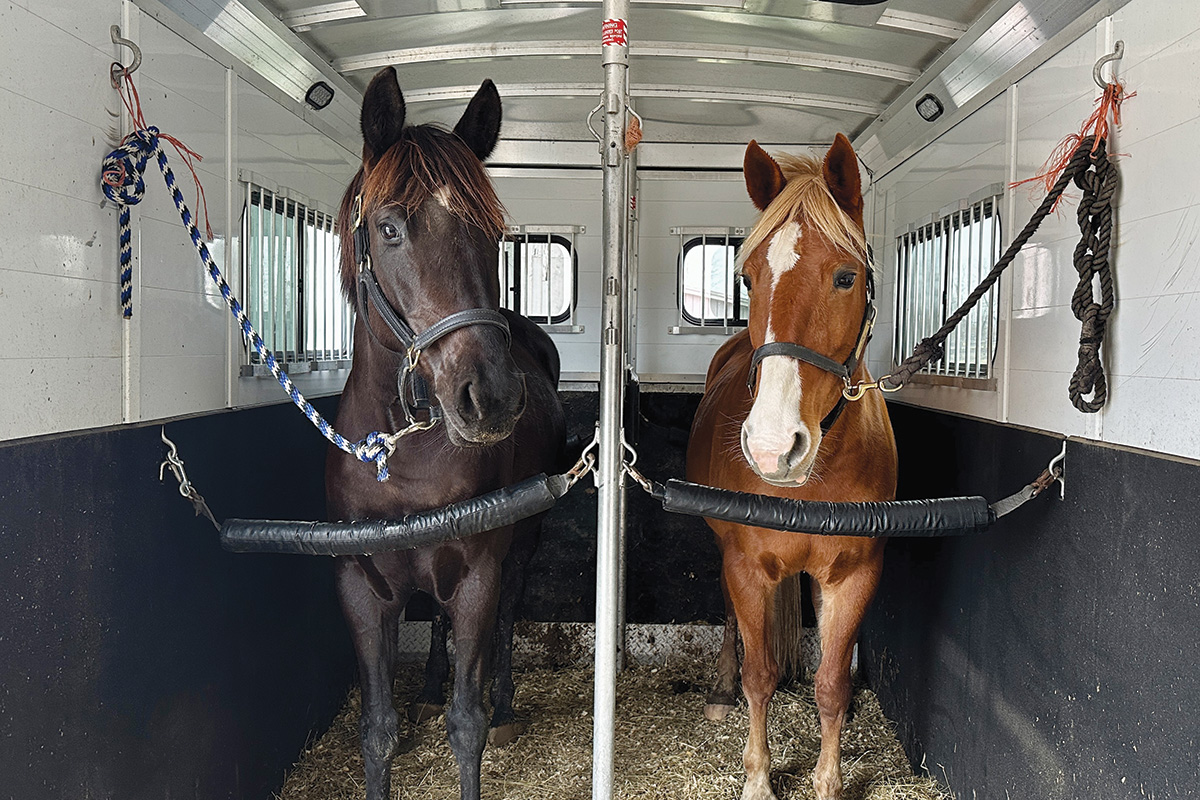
665 749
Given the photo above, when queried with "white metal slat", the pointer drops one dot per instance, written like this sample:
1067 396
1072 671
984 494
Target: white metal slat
549 268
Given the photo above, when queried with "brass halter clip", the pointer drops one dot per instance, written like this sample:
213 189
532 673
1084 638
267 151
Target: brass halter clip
857 391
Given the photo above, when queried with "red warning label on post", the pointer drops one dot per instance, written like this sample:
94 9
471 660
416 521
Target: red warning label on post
614 33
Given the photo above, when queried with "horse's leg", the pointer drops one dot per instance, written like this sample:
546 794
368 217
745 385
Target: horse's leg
472 612
840 610
504 727
430 702
722 699
753 594
373 624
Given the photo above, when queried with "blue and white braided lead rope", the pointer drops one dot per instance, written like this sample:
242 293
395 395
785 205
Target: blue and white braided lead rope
123 183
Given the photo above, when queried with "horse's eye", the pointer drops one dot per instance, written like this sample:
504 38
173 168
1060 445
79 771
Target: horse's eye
389 232
844 279
746 281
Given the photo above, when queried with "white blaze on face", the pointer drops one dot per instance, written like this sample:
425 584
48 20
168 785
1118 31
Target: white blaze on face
781 253
442 196
770 431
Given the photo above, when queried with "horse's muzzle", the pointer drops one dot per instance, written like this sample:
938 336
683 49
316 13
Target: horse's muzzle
781 460
484 411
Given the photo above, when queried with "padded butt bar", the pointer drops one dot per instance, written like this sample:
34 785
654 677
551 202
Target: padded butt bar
455 521
948 517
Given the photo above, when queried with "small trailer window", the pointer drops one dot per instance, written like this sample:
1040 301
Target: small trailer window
710 295
291 284
938 263
538 270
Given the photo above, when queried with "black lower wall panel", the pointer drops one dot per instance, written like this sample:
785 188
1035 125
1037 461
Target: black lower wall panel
673 565
1055 656
139 660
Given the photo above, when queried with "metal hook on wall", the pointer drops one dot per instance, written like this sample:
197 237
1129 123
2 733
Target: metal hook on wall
1113 56
118 71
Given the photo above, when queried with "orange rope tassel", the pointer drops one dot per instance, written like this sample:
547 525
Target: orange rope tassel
133 104
1109 104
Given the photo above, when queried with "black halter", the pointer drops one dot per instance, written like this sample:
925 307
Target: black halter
843 369
369 292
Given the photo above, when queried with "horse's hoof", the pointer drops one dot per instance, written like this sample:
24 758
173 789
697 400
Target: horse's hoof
758 790
420 712
716 712
506 733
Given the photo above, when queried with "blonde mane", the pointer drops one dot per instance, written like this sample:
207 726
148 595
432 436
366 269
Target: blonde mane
805 191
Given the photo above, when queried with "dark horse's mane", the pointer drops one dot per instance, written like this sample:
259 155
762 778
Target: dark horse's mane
427 160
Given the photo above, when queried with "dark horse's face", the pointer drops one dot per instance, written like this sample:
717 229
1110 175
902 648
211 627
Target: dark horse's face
434 224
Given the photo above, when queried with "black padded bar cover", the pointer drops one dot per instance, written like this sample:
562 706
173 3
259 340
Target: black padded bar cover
948 517
455 521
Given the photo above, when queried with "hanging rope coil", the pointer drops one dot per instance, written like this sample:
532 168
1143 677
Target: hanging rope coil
1095 216
1092 171
123 182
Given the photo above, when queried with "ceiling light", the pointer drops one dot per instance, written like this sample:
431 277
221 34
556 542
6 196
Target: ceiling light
319 95
929 107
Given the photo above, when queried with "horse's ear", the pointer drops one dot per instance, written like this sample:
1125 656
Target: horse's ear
382 115
842 178
480 123
764 178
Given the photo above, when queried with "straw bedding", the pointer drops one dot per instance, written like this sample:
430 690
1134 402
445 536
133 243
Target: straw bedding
665 749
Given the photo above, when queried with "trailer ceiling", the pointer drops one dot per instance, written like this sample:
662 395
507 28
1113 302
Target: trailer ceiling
723 71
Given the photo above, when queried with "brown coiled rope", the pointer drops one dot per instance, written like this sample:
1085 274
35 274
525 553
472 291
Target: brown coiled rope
1098 178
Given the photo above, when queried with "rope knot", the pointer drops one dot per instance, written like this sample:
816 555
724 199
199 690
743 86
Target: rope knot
930 350
376 447
123 170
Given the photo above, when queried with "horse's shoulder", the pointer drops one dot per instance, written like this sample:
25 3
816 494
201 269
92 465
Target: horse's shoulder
529 336
727 354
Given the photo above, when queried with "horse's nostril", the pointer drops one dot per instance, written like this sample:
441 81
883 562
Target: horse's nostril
468 403
799 449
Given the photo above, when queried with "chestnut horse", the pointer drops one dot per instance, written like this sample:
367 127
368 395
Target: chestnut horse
789 433
426 224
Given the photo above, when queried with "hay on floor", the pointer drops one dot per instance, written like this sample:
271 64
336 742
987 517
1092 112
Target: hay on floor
665 749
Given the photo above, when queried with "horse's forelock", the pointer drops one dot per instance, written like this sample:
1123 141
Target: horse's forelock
805 194
427 161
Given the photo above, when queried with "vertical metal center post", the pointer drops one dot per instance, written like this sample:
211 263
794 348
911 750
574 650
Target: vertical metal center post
615 50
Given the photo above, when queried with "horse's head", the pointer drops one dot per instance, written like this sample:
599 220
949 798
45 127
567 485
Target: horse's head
805 264
432 222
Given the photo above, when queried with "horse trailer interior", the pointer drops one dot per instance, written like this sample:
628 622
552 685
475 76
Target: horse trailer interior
1051 656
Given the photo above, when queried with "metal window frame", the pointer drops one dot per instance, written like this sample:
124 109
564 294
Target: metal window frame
938 263
292 288
512 274
693 236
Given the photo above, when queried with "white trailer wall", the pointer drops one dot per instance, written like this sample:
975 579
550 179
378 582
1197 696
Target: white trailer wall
666 199
671 200
1153 337
69 364
564 197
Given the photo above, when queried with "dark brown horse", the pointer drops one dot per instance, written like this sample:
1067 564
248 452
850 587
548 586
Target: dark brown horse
805 263
428 236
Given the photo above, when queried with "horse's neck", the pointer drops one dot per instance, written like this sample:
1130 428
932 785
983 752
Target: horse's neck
371 389
861 445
